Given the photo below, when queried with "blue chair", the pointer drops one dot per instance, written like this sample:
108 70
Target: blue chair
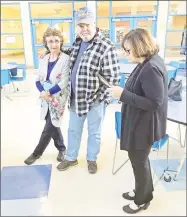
21 78
122 80
121 84
5 77
118 124
175 64
156 145
118 136
14 71
123 61
159 144
182 64
14 77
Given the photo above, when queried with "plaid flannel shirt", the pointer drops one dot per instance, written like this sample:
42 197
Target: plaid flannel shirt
100 57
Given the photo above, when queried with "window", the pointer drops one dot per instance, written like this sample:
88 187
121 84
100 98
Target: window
103 22
177 7
121 8
64 27
11 26
78 5
12 46
40 29
176 22
41 10
103 25
13 56
10 11
172 54
11 41
175 27
103 8
173 39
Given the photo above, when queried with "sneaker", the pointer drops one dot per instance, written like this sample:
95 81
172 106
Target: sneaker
92 166
31 159
60 156
134 208
65 164
129 195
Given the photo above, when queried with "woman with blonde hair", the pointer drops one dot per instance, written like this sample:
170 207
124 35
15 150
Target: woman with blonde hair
144 112
52 83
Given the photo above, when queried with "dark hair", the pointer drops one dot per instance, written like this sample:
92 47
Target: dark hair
142 43
53 32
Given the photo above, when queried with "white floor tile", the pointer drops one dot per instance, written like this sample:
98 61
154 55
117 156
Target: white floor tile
75 192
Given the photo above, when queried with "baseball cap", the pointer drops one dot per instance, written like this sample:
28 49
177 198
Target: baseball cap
85 15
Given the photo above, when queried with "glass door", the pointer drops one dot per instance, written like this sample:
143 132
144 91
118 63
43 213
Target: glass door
65 26
120 26
40 26
148 23
38 29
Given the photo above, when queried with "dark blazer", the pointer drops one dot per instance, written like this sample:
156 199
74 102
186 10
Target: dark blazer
144 105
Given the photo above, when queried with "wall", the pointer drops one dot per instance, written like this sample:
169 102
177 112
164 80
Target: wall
12 47
161 22
11 26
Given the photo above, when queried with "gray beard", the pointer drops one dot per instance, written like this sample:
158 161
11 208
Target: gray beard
87 38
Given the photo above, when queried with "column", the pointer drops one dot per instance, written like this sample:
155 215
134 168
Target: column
162 26
27 38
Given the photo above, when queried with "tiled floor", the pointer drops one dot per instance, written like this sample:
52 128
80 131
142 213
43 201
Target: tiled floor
74 192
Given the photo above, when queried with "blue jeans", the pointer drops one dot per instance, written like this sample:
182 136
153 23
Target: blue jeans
95 119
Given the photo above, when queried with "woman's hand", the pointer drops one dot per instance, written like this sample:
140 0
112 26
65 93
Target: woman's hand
115 91
45 96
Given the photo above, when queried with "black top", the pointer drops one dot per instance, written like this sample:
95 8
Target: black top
144 108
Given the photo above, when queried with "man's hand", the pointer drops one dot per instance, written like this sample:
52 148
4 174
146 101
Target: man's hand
42 55
115 91
45 96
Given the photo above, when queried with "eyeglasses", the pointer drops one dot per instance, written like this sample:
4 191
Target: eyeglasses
127 51
51 42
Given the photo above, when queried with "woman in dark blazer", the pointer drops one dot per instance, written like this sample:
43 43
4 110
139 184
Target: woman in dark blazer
144 112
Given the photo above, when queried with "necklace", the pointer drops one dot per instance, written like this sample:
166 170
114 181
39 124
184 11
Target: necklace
52 64
56 58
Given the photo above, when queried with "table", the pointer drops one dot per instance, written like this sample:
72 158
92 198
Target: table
8 66
5 74
177 110
177 114
127 68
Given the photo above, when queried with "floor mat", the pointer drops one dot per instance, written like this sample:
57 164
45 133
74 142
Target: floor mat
180 183
24 182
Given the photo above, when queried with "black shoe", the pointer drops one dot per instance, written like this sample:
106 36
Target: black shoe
31 159
65 164
92 166
60 156
133 208
129 195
